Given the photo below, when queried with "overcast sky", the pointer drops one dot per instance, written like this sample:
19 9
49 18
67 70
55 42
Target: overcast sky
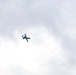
51 25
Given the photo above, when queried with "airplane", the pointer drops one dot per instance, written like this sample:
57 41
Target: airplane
25 37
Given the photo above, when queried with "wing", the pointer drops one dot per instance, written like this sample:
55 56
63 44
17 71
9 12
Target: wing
25 35
27 40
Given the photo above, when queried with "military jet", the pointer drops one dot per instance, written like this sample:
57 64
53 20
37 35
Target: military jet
25 37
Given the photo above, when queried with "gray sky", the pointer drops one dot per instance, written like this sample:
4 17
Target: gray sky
51 24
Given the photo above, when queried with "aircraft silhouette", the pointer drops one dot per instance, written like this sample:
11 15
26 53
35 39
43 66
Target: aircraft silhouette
25 37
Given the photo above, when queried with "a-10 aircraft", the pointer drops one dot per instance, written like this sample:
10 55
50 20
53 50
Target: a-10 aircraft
25 37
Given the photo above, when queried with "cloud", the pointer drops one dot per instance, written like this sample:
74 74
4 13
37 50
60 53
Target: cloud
19 14
33 58
40 19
